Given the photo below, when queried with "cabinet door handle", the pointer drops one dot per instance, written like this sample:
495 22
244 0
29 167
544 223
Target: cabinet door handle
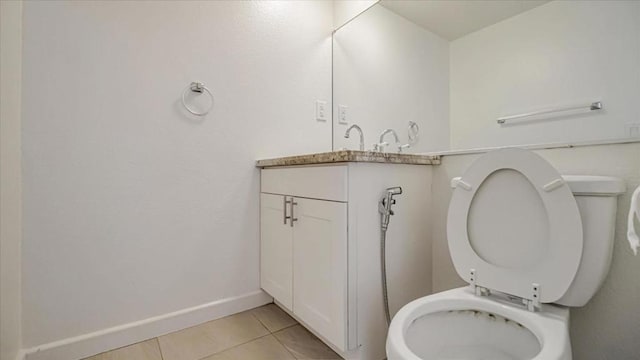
292 217
285 217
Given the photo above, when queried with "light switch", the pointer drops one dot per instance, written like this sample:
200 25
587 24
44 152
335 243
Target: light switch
321 110
342 115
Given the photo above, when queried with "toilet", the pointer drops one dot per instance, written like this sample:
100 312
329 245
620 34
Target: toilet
530 243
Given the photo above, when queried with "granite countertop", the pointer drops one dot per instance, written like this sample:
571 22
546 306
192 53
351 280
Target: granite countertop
350 156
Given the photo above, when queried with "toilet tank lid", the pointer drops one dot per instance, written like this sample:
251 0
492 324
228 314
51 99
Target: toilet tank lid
595 185
586 185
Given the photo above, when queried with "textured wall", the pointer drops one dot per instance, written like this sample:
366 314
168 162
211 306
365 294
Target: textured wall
132 208
558 54
608 327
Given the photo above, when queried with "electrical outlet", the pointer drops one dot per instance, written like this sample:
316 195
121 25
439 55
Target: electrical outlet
321 110
342 115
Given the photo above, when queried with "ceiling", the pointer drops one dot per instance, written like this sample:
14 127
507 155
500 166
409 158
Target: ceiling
452 19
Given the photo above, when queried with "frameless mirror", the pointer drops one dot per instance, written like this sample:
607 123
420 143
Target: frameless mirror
347 10
448 75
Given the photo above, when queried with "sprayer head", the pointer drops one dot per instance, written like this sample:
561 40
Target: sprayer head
397 190
384 206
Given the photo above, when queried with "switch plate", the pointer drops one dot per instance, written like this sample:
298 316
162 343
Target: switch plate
342 115
321 110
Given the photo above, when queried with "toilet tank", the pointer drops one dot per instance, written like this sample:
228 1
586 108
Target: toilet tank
597 198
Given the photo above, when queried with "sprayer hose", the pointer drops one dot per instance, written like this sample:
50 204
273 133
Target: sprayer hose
383 265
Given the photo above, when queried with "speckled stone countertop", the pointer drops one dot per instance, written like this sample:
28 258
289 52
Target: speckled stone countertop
350 156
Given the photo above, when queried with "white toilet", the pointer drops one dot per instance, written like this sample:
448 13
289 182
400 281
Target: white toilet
531 243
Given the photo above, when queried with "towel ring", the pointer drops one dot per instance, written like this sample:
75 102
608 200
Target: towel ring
199 88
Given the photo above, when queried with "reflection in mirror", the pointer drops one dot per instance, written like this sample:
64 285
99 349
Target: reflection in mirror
473 74
346 10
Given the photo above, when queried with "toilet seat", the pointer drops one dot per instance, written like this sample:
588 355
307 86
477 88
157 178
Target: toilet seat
530 251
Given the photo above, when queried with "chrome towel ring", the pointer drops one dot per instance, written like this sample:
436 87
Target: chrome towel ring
197 87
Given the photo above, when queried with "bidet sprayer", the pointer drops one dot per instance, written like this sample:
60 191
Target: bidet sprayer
384 206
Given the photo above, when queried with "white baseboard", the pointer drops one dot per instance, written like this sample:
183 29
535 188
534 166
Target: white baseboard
82 346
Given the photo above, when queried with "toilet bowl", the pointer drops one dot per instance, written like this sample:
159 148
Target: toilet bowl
457 324
531 244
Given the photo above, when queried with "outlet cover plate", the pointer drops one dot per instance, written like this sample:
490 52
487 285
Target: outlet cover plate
342 115
322 113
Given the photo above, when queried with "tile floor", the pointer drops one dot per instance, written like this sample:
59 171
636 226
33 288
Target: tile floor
264 333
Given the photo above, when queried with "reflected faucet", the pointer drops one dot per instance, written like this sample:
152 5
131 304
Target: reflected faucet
381 143
402 147
354 126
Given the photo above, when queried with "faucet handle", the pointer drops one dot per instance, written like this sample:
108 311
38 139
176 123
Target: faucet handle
380 146
402 147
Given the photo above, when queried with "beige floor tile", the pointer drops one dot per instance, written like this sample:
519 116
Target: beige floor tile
211 337
303 344
273 317
189 344
264 348
146 350
236 329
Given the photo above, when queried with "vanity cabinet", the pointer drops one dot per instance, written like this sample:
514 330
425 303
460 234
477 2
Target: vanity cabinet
304 257
320 248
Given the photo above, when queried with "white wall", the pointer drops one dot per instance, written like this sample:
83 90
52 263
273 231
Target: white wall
560 53
132 208
10 177
608 327
389 71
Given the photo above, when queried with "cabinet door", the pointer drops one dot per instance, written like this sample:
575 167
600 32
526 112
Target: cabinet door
320 267
276 249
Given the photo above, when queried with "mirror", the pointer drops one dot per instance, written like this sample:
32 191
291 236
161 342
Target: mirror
479 73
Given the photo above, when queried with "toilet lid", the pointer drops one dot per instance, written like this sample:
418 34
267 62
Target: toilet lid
513 225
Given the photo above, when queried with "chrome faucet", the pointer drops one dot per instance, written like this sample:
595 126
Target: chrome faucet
381 143
413 136
354 126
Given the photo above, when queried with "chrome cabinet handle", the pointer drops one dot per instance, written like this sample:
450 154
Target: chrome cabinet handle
285 217
293 218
